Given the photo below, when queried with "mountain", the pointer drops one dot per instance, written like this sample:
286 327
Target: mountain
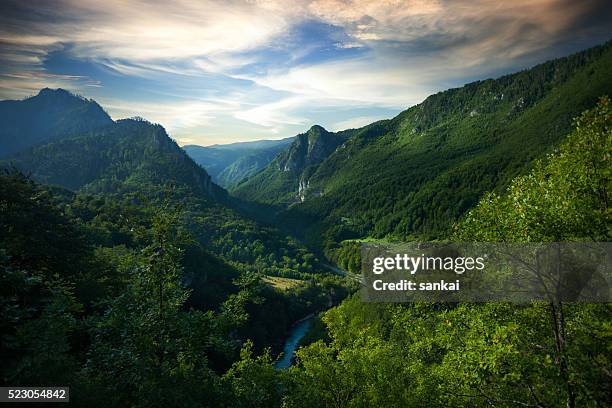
128 189
286 178
246 166
47 116
130 160
230 163
126 155
417 173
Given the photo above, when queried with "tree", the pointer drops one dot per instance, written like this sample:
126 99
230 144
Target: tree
253 381
565 198
145 346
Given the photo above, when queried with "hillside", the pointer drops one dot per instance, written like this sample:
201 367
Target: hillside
286 178
420 171
132 159
123 156
116 184
231 163
48 115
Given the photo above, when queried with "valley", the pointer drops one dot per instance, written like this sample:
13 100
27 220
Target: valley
166 273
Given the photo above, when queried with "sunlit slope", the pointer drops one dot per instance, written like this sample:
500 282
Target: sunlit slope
417 173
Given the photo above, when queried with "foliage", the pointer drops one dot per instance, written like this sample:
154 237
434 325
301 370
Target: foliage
418 173
144 285
493 354
563 199
131 305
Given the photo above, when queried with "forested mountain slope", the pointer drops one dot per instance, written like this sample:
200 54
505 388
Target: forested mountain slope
420 171
285 179
544 354
114 184
131 159
49 115
122 156
231 163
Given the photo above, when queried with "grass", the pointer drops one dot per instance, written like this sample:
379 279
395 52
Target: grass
282 283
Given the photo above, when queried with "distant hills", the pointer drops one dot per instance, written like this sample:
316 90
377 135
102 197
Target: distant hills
229 164
417 173
67 140
285 179
76 145
410 176
49 115
112 166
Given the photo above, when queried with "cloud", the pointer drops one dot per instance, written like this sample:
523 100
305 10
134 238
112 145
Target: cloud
175 117
142 36
211 33
19 84
370 81
274 114
348 45
142 31
422 25
277 64
416 48
355 123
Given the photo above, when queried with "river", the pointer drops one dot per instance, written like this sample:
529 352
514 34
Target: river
295 335
301 327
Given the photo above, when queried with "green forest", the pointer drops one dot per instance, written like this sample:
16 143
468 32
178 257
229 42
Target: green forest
414 176
130 276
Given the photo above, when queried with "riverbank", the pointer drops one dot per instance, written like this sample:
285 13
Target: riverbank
298 331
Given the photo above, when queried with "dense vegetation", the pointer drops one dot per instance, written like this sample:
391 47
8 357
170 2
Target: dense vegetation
133 278
493 354
115 167
126 305
285 179
231 163
414 175
132 238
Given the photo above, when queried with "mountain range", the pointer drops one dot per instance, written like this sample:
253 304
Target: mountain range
117 157
135 160
412 175
229 164
416 174
131 276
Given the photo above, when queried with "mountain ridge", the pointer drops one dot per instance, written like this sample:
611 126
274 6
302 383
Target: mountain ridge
228 164
136 163
390 177
79 147
61 113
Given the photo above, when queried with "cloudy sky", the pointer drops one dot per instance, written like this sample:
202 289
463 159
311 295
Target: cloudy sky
224 71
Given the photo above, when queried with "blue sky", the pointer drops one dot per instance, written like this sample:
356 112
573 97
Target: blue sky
225 71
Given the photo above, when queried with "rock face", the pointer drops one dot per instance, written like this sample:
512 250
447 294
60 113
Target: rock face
304 184
308 149
288 178
306 152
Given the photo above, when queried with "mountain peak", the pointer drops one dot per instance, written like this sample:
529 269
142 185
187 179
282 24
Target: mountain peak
317 129
55 92
51 90
308 149
51 114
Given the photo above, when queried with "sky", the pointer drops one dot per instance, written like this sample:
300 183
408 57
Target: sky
226 71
